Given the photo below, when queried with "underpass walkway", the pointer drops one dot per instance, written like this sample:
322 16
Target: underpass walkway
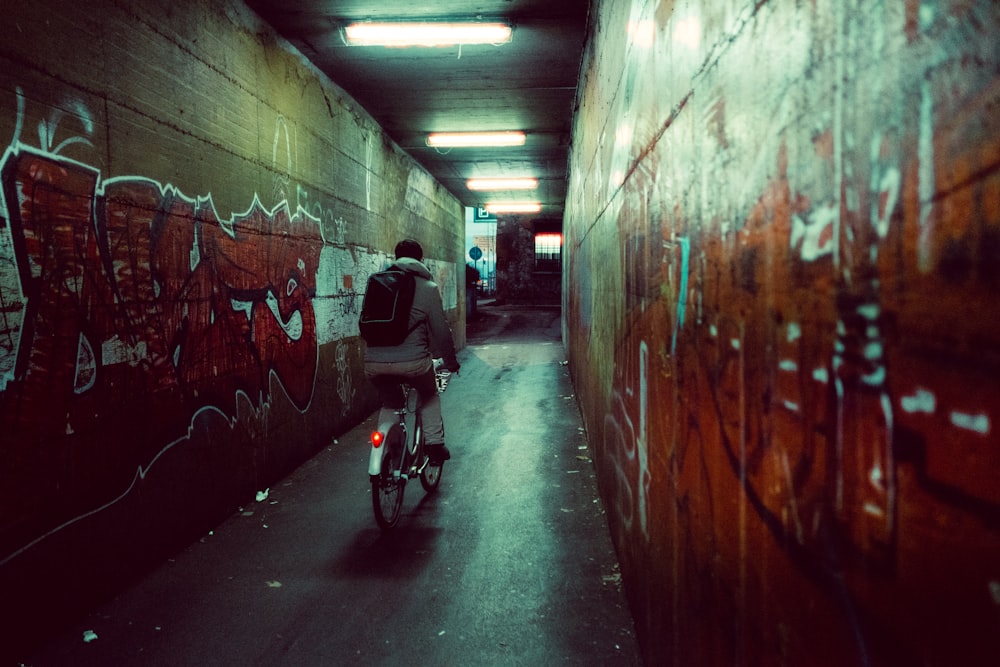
508 563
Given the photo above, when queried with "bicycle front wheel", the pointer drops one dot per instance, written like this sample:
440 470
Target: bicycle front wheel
430 476
387 496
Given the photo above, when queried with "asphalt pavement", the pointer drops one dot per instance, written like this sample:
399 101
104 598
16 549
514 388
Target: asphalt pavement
509 562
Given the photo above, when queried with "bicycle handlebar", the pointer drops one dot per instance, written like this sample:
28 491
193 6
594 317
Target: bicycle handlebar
442 378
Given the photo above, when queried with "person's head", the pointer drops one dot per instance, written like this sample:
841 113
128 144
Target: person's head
409 248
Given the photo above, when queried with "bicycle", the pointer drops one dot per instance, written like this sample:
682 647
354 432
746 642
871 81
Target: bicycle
397 455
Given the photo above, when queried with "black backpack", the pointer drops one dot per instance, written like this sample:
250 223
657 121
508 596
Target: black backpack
385 311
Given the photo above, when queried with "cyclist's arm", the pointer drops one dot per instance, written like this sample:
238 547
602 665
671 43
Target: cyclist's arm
439 333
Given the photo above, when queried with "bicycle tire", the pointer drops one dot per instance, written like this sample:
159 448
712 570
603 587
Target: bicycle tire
387 495
430 477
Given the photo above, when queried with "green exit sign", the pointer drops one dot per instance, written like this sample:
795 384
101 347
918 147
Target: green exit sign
480 214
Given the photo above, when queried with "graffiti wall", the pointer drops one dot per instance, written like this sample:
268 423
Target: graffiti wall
186 228
780 279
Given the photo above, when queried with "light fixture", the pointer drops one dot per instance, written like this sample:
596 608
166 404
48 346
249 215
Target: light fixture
467 139
501 183
426 34
514 207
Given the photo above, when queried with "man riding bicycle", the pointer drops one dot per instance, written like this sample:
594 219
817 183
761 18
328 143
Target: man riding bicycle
429 337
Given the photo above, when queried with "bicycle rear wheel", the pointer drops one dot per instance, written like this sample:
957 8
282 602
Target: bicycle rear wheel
387 495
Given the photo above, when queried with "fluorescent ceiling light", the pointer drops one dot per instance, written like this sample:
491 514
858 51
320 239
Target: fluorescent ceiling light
466 139
514 207
427 34
501 183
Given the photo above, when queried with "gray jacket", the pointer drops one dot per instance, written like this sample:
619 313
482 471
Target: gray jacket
430 334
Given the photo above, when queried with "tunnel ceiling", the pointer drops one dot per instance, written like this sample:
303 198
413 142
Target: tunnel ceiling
527 84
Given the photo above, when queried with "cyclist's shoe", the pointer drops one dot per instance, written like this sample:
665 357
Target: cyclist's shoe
438 454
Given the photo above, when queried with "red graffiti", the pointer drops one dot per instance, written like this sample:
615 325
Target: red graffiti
142 285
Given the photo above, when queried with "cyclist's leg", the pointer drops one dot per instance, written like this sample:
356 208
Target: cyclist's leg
430 416
430 407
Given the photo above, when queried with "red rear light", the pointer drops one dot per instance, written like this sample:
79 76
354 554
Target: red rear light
377 439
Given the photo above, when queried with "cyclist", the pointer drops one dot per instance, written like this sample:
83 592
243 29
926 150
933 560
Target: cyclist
412 360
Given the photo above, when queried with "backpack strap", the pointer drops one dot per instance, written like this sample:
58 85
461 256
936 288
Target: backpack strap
416 324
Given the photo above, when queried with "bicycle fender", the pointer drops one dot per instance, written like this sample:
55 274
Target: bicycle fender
394 438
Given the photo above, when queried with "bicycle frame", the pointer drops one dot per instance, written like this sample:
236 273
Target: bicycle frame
399 437
406 420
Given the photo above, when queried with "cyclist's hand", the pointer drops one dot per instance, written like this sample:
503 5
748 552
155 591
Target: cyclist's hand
454 367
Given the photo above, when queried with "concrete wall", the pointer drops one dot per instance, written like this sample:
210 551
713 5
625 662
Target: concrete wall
189 213
781 279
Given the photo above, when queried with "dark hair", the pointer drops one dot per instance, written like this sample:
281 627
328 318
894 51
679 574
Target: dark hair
409 248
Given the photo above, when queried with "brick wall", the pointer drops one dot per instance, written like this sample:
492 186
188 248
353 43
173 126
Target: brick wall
519 279
189 212
781 248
